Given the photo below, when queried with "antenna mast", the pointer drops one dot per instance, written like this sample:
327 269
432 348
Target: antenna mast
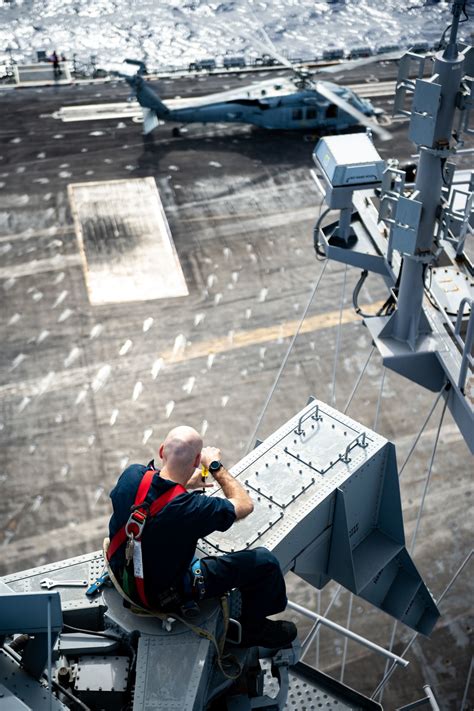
409 230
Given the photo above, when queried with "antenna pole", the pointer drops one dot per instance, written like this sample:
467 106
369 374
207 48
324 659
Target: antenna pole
408 322
451 50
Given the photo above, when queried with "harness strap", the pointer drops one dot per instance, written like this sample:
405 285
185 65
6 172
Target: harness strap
223 661
144 487
132 530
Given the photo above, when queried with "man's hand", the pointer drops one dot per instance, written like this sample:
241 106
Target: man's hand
196 481
209 454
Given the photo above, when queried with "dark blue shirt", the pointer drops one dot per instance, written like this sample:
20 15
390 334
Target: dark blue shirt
169 539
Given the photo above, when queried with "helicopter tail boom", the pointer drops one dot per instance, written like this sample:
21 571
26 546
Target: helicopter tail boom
146 97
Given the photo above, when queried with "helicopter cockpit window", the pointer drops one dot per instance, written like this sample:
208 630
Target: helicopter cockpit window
297 114
331 111
310 113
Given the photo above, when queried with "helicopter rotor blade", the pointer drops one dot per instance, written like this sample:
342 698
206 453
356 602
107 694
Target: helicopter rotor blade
355 63
323 89
268 46
269 49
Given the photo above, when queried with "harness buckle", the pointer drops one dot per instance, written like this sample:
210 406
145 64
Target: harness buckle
136 522
199 583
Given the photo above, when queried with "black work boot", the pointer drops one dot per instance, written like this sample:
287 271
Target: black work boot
273 634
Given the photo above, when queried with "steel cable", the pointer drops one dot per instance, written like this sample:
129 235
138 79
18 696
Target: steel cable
251 441
389 673
338 339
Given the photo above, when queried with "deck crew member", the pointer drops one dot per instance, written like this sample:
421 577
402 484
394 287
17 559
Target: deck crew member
164 572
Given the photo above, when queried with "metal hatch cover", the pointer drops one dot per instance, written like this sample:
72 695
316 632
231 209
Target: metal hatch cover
248 530
280 480
321 440
450 286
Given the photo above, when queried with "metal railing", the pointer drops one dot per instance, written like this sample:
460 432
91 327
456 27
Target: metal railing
454 330
428 699
321 620
466 345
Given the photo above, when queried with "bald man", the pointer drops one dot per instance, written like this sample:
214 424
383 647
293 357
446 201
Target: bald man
171 573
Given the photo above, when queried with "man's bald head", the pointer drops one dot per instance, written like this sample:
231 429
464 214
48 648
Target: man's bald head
181 451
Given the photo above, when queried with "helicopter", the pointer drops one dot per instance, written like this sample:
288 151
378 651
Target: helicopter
298 103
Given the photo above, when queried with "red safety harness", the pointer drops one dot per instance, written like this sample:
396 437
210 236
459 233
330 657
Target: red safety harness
131 533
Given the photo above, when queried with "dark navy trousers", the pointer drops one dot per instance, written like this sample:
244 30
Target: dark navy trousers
256 573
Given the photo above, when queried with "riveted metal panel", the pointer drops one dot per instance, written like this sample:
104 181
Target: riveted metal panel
324 473
320 443
281 480
102 673
86 567
450 286
311 689
248 530
25 688
9 702
362 500
172 673
296 472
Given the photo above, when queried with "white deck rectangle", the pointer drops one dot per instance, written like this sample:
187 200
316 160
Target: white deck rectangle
125 241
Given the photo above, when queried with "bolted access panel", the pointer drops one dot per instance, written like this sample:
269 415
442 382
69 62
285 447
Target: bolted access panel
327 504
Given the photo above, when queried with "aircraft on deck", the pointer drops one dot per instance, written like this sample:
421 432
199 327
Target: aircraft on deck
282 103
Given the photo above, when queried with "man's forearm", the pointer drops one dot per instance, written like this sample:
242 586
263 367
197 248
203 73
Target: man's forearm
234 490
230 486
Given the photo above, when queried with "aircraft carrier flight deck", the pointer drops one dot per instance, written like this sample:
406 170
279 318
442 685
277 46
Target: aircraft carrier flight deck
98 363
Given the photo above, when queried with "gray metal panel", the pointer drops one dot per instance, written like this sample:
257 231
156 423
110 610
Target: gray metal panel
172 673
405 229
314 559
9 702
422 366
25 688
321 445
263 482
37 614
127 621
102 673
74 643
327 504
311 689
87 567
424 112
360 253
28 612
449 287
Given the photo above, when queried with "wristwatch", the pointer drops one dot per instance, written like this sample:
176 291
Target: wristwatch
214 466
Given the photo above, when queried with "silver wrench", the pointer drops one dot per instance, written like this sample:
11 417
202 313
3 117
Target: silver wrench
49 583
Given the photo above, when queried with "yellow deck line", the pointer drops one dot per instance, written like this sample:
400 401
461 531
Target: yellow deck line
77 377
243 339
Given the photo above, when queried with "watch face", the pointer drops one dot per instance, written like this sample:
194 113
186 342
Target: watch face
215 465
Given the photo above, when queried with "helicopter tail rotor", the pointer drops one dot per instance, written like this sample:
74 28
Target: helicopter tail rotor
148 99
138 63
